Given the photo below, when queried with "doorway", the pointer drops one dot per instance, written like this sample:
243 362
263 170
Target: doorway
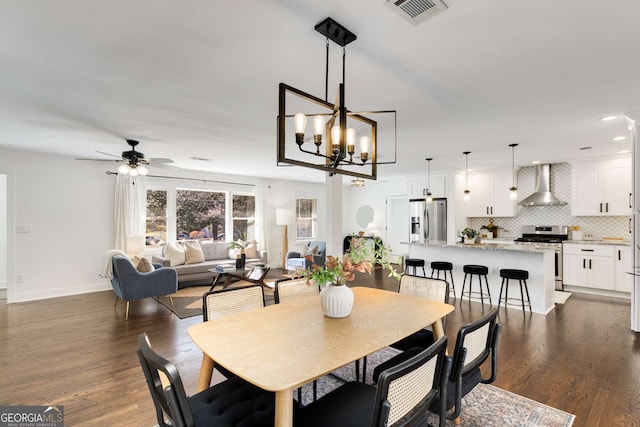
397 226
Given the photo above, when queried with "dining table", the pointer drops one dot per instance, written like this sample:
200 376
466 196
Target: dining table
284 346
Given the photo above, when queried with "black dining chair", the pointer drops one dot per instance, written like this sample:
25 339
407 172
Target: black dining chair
401 398
233 402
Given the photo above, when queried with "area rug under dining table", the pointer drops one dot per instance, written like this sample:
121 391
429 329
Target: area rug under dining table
484 406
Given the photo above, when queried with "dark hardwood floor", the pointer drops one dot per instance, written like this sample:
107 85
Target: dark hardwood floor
79 352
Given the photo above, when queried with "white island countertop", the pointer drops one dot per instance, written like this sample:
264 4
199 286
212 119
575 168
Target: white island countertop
538 261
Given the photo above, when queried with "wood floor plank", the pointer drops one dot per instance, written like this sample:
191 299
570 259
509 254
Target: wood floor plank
79 352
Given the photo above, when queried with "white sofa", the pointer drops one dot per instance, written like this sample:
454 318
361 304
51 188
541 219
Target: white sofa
215 253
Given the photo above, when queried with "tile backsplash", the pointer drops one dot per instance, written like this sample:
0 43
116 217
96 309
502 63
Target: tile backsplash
595 227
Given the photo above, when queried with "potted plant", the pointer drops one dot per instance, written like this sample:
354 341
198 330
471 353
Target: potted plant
492 228
237 248
336 298
469 235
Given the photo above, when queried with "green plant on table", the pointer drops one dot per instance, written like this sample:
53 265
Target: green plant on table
469 233
360 257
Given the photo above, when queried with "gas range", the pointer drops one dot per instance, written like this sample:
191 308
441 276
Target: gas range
543 235
547 236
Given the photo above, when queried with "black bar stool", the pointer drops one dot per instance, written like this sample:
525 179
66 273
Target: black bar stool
444 266
521 276
414 263
480 271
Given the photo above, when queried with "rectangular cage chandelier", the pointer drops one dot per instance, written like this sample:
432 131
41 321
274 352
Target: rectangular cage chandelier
342 141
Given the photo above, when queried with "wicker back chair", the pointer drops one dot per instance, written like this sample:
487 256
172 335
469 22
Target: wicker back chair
475 343
401 398
216 304
288 289
232 402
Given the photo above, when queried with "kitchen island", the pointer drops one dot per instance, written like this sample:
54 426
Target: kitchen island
538 262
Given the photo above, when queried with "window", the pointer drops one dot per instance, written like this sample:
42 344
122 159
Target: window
200 215
306 218
197 214
244 222
156 224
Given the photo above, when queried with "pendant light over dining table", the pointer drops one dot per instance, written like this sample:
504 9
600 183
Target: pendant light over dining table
333 124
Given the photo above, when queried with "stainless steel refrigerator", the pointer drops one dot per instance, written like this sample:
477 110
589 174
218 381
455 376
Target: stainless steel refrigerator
428 221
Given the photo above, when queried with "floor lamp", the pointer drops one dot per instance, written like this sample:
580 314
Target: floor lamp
284 217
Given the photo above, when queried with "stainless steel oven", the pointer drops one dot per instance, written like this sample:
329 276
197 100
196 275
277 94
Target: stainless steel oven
547 236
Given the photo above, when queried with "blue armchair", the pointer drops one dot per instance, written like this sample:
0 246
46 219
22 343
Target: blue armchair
130 285
296 260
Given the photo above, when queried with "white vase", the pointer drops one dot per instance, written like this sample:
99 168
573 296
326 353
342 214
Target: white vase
469 240
336 301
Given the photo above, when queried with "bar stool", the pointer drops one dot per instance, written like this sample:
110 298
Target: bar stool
444 266
521 276
480 271
414 263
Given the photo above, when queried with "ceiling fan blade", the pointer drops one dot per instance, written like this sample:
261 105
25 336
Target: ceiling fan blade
159 160
99 160
108 154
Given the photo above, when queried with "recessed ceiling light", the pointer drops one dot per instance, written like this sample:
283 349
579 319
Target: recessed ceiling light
624 152
536 162
200 159
608 118
619 138
585 148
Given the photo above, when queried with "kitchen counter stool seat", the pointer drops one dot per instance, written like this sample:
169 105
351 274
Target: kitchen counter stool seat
445 267
414 263
480 271
521 276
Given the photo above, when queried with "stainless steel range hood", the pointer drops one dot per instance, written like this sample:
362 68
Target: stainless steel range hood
542 195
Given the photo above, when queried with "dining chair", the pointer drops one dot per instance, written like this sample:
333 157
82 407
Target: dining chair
401 398
291 289
474 344
422 287
233 402
223 302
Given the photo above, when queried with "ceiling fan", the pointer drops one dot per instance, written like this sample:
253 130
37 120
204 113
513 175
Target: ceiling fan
134 161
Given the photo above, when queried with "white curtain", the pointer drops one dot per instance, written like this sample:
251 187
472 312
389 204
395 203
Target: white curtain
263 219
130 209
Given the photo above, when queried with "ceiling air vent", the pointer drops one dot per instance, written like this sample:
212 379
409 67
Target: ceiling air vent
417 11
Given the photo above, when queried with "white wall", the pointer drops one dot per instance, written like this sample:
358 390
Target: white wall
373 194
68 207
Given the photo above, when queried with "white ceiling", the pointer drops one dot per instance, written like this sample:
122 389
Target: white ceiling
200 78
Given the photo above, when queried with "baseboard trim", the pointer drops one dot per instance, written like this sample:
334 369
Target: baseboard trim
55 293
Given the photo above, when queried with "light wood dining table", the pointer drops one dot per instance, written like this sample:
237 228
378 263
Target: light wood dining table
284 346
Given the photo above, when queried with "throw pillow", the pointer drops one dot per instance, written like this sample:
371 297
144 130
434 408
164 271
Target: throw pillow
313 250
251 252
175 253
144 266
193 253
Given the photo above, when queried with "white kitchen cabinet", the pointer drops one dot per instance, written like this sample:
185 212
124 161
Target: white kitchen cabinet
601 188
418 186
489 195
623 265
590 266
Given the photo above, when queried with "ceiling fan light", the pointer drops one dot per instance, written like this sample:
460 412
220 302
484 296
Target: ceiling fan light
133 171
142 170
123 169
